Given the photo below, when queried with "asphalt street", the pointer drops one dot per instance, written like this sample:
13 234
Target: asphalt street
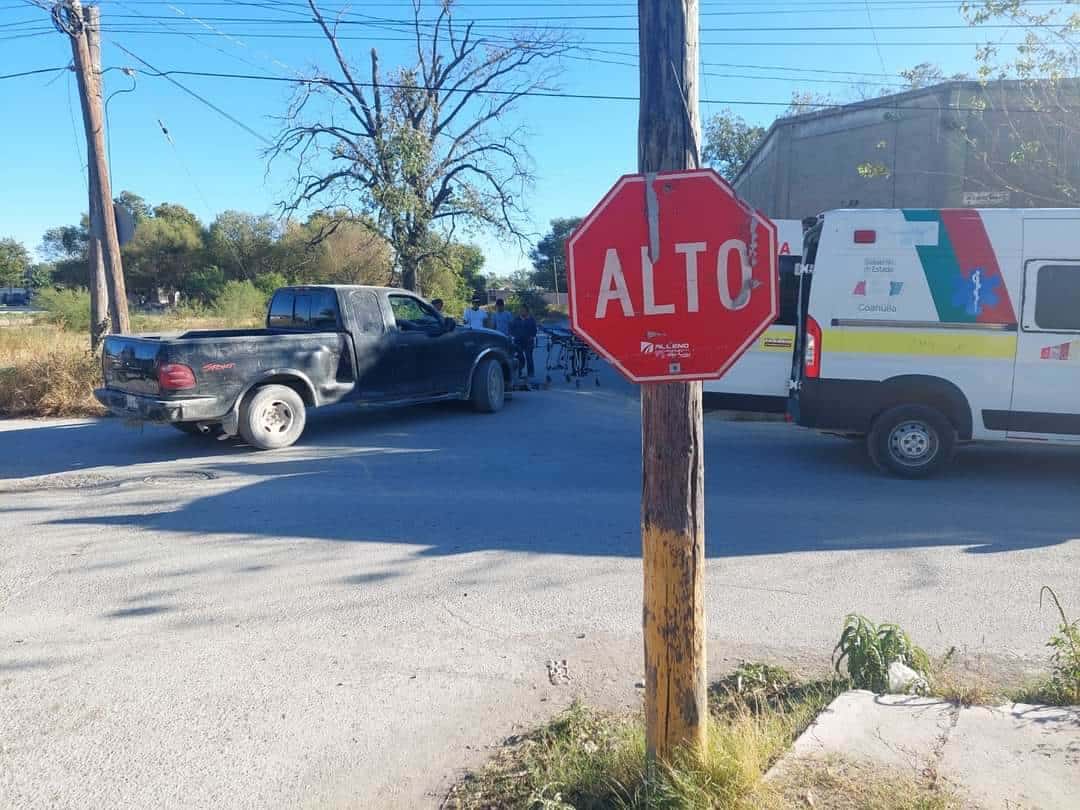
186 623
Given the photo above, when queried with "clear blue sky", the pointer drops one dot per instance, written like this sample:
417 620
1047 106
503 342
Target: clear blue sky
579 147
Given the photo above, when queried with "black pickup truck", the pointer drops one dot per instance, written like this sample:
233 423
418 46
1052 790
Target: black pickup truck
321 345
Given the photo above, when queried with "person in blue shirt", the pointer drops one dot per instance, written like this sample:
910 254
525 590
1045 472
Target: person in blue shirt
501 318
523 333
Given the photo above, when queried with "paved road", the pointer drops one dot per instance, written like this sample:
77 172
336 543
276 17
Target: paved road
189 624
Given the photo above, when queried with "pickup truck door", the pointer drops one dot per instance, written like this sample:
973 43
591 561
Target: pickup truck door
436 350
380 373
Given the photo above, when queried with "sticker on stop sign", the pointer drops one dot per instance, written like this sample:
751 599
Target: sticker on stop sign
672 277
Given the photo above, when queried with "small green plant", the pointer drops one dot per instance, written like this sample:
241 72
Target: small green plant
1065 660
869 649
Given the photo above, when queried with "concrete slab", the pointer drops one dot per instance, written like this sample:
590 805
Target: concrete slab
1011 757
1016 756
897 731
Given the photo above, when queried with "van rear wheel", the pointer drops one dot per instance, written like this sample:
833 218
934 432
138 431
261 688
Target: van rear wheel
911 441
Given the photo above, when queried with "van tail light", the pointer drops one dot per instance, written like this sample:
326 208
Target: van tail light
865 237
175 377
812 361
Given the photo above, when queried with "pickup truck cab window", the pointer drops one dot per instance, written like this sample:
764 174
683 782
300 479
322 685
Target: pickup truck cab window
281 310
367 317
412 313
304 309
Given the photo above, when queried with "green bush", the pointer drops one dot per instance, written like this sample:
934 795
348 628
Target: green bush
205 284
268 282
67 308
870 649
241 302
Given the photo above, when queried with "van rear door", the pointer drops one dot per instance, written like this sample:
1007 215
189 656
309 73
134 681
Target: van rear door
1046 375
759 379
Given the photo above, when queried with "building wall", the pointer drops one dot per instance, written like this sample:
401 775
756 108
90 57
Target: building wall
920 141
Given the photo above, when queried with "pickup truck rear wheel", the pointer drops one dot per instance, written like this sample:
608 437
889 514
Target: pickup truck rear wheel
272 417
488 386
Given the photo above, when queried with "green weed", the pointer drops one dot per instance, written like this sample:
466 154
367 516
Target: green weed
869 649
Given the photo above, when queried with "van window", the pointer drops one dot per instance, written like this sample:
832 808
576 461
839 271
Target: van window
1057 293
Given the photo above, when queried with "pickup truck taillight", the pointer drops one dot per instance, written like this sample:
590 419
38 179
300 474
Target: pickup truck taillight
812 360
175 377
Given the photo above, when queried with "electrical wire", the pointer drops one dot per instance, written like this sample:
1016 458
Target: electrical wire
193 94
882 103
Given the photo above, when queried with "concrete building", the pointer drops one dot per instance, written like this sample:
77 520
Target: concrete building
956 144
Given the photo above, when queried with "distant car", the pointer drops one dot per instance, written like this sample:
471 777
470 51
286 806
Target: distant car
321 345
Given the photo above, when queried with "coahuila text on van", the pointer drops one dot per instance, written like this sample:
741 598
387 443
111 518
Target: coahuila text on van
924 328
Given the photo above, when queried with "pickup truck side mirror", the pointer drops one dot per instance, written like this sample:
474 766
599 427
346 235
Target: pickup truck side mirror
449 324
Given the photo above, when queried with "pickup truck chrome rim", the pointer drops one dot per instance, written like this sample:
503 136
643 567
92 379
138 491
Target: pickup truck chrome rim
276 417
913 443
495 384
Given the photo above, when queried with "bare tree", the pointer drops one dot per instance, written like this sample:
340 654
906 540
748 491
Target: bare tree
428 147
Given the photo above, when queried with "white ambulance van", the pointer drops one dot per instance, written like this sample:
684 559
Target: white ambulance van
759 380
925 328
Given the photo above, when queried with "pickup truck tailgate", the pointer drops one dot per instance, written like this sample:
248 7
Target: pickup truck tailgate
130 364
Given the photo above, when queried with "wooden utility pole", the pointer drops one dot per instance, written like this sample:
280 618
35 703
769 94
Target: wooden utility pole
672 447
100 187
99 289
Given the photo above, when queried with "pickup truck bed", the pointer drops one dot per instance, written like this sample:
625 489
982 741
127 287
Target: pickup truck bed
322 345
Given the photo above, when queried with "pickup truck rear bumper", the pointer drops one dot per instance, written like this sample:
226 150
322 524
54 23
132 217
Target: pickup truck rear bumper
152 409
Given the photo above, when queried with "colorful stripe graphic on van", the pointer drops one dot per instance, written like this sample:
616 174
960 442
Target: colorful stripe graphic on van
962 270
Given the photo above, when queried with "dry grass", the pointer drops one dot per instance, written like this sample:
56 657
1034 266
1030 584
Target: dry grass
842 785
46 370
966 689
587 760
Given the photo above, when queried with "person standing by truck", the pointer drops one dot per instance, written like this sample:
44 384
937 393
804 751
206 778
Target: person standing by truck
502 318
475 318
523 333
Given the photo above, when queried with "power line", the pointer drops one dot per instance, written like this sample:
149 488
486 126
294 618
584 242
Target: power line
873 33
35 72
513 23
620 43
872 103
200 98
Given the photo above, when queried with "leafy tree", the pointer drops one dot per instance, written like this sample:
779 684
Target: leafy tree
243 244
165 251
14 262
1023 130
66 242
427 147
336 248
729 142
40 275
204 284
549 255
135 205
454 275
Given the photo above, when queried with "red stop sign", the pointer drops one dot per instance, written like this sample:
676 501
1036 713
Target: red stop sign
672 277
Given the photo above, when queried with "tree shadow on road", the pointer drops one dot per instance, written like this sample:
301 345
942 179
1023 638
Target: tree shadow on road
452 491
